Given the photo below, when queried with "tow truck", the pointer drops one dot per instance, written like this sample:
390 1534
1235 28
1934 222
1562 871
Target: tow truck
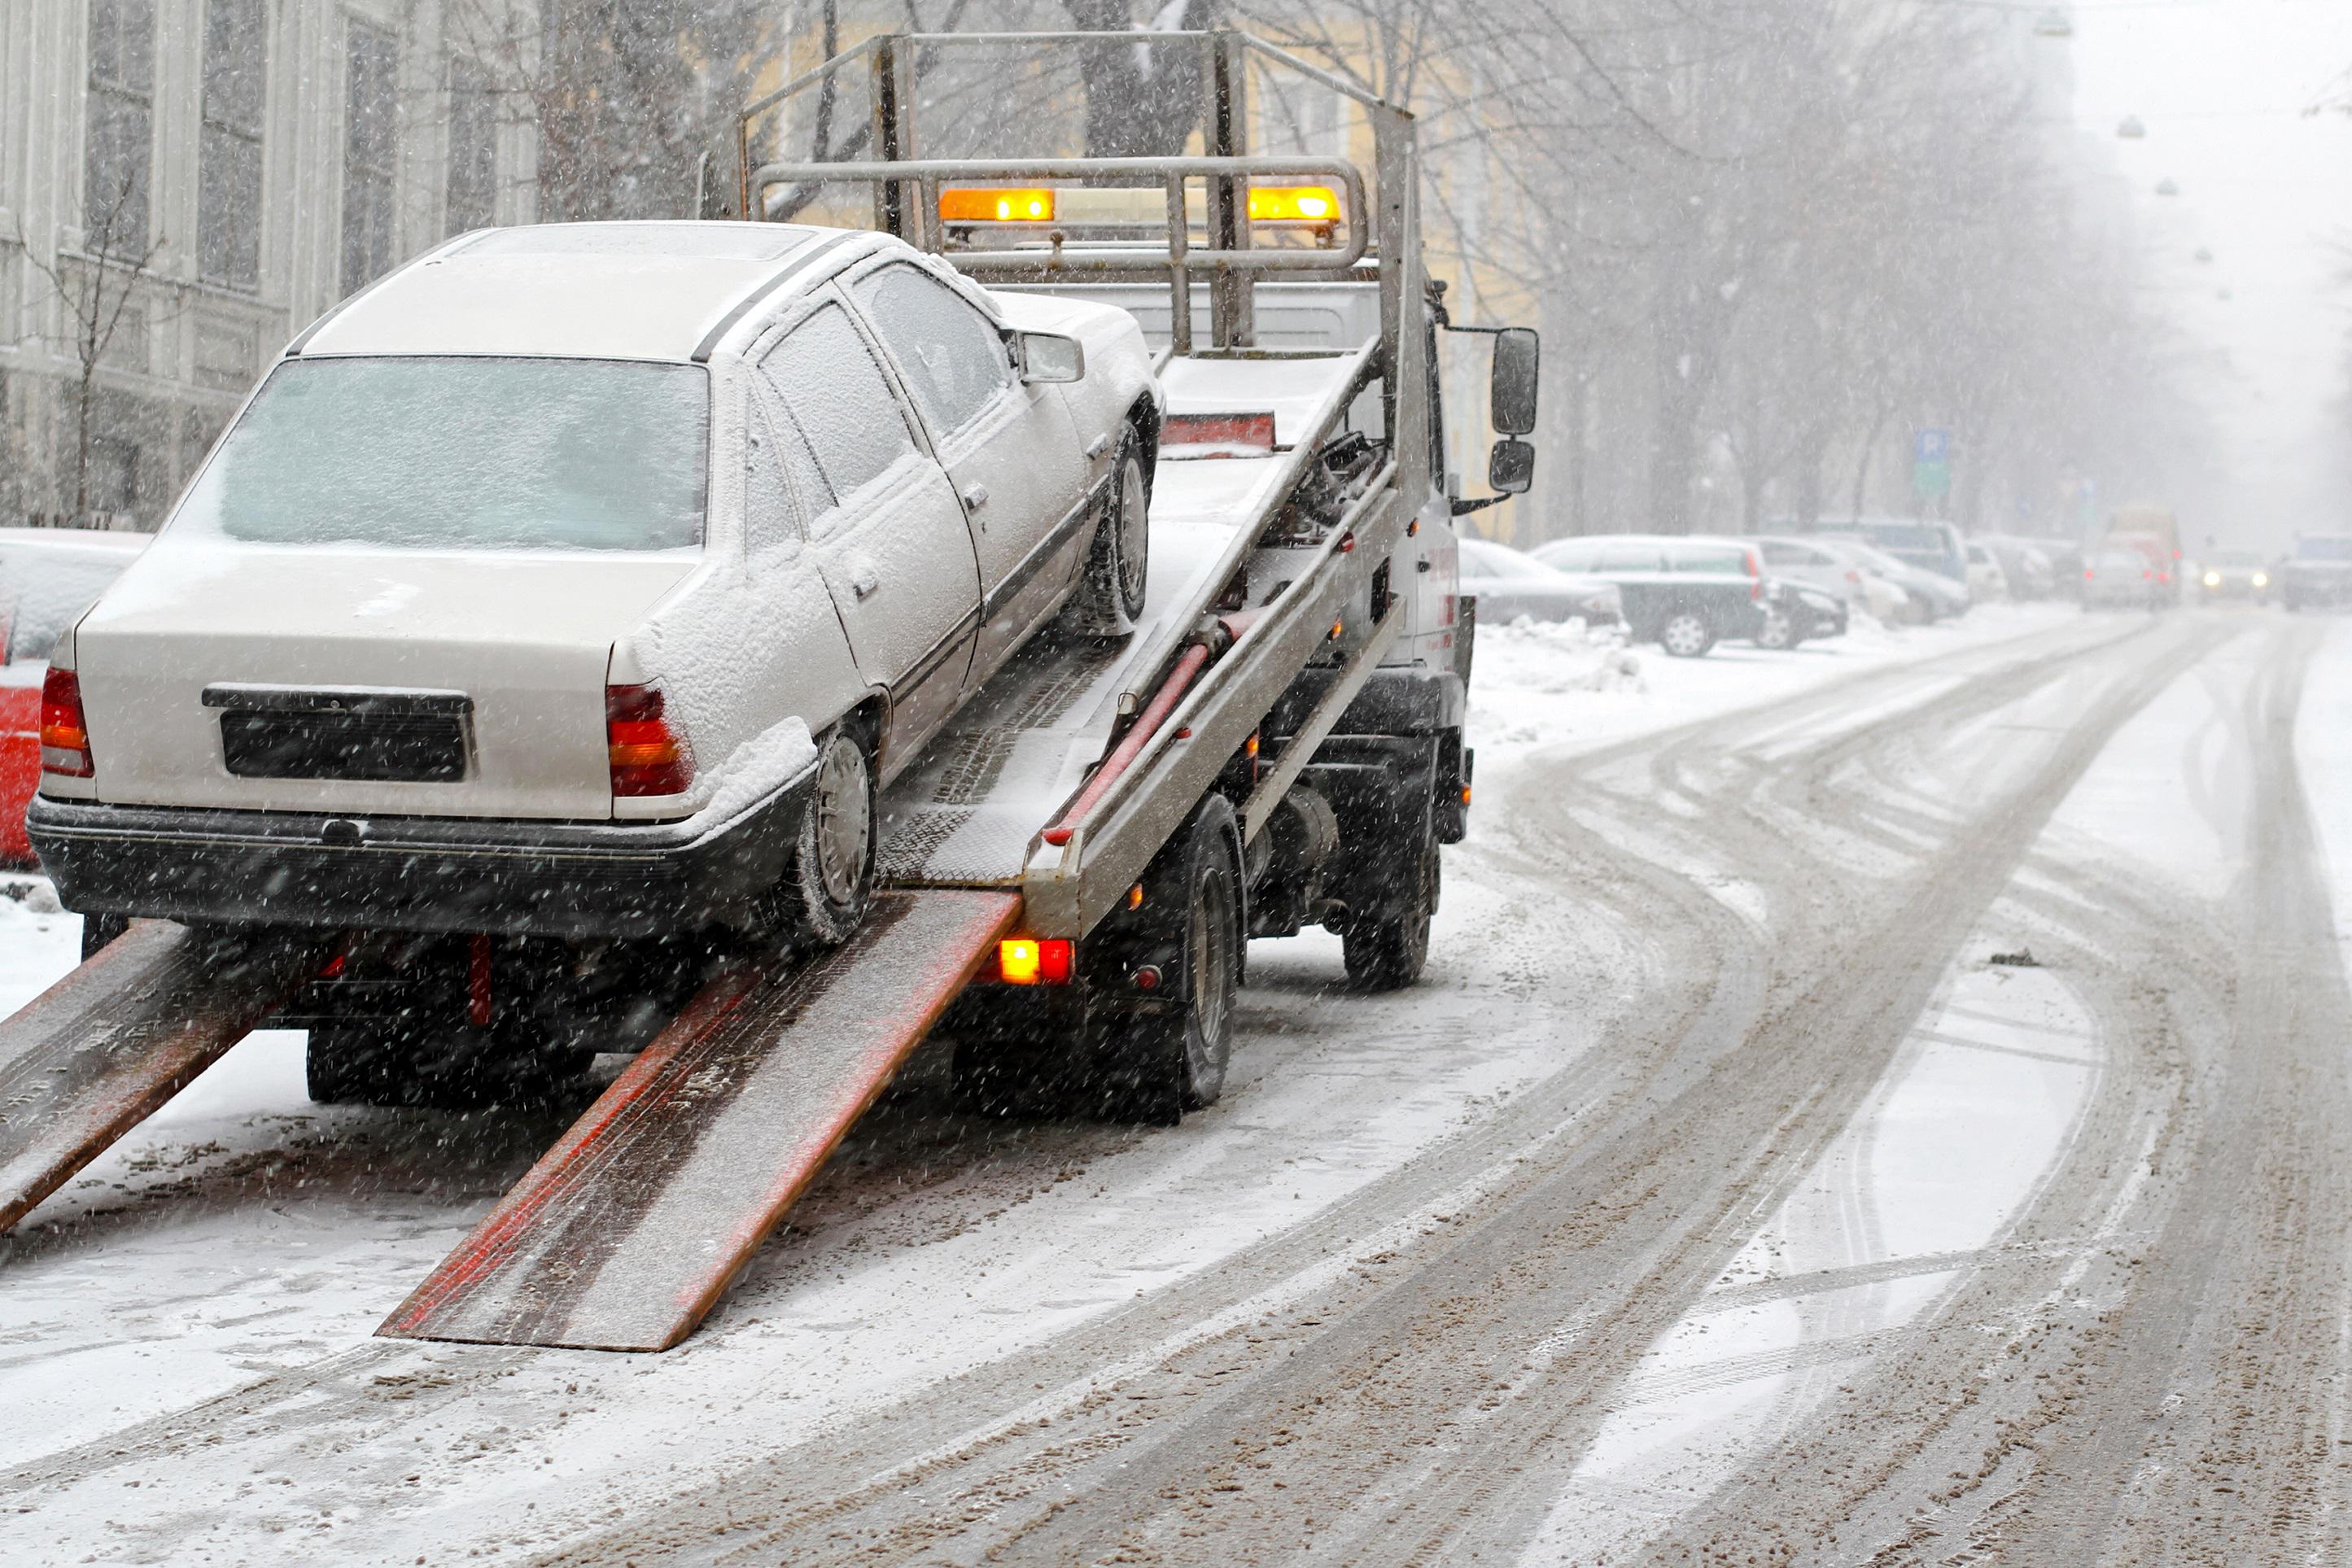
1073 871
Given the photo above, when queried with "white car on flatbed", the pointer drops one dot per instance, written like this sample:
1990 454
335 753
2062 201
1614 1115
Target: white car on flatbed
589 580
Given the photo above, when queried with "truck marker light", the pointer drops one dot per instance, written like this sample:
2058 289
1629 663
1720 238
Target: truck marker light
1147 977
645 749
1035 961
1135 896
65 735
972 206
478 982
1465 794
1336 629
1347 543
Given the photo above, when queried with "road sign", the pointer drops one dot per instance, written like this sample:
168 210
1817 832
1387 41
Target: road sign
1931 463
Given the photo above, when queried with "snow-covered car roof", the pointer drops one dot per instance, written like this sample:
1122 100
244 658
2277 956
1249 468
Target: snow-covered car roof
602 290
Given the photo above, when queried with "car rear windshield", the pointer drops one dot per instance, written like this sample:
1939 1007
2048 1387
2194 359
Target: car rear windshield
2323 548
463 453
1909 539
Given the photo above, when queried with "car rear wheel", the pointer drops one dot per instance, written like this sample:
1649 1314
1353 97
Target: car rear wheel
1778 631
1109 599
1686 635
831 879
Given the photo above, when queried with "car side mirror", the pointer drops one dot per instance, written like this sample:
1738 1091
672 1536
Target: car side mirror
1049 357
1519 355
1511 467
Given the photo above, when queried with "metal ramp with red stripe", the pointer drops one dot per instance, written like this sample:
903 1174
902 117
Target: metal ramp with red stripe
630 1228
102 1050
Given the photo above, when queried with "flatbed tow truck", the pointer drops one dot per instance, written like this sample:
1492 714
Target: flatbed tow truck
1072 871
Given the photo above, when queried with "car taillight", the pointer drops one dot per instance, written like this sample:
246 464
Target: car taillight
2089 572
65 735
1854 577
649 752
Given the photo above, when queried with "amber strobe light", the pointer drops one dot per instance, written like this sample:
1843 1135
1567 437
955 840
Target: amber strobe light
649 752
1035 960
1294 203
993 206
65 739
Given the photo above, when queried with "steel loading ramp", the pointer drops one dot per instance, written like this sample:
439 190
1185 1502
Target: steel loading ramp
631 1228
101 1050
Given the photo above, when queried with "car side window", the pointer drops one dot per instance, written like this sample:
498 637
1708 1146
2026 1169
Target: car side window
1785 555
834 392
1629 557
1573 558
953 360
783 486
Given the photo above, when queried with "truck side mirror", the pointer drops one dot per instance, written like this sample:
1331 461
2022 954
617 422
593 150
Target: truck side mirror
1511 467
1049 357
1518 355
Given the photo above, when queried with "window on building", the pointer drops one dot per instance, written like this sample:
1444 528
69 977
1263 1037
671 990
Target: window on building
121 126
371 153
228 205
473 147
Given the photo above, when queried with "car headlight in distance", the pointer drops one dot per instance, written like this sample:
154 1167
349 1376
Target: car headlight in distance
2261 580
2213 580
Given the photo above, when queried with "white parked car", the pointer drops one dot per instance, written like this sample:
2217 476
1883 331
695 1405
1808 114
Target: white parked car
1832 567
1987 581
589 580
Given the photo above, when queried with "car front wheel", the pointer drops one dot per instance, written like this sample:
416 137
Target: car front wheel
1687 635
1109 599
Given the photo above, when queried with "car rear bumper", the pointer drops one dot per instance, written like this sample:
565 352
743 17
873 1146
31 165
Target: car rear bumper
578 880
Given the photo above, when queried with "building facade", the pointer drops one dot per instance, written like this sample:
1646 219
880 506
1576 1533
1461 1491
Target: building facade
185 184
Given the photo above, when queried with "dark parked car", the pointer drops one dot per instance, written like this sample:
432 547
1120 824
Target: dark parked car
2318 575
1510 583
1683 594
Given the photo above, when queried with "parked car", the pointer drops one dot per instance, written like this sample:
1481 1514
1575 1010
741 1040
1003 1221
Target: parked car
48 577
1987 580
1934 596
1796 613
588 581
2119 577
1509 583
2026 566
2318 574
1931 547
2233 574
1683 594
1832 567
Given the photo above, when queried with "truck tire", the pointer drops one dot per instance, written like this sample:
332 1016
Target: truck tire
1109 601
830 879
1154 1067
1686 635
1388 952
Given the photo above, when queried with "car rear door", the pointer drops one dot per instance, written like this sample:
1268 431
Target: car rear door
885 531
1010 449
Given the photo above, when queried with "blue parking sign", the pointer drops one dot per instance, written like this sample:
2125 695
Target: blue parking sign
1932 446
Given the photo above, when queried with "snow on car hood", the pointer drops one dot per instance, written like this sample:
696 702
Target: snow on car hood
526 636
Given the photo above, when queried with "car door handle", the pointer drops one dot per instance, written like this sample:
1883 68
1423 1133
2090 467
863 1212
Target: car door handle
975 496
864 577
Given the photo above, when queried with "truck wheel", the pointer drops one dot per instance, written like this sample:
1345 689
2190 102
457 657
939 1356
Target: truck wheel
831 879
1109 599
1687 635
1157 1066
1388 952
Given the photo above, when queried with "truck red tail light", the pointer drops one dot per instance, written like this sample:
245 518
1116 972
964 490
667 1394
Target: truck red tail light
1035 961
648 751
65 736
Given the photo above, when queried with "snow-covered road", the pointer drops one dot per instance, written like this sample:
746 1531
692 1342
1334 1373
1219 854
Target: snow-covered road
1717 1194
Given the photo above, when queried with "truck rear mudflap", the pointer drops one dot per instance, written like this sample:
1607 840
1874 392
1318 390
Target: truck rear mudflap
507 877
